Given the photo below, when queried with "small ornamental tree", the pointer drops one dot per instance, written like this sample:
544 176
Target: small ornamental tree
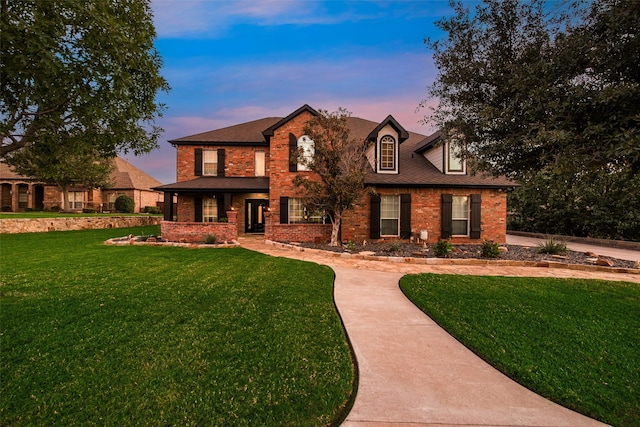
340 163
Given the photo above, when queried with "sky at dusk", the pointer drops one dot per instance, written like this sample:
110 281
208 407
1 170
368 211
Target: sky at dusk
230 62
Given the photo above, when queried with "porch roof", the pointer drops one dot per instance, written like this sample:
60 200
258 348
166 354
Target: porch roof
215 183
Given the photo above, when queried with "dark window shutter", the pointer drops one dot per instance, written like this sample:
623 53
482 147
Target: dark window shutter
293 147
447 215
221 162
198 162
227 203
197 209
405 216
284 210
374 217
222 212
476 206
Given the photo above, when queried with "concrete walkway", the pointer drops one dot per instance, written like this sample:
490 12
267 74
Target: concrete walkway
412 373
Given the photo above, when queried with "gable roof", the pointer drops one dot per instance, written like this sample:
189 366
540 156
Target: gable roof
125 176
402 133
428 142
269 131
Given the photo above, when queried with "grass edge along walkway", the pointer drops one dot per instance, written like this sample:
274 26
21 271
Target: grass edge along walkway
95 334
574 341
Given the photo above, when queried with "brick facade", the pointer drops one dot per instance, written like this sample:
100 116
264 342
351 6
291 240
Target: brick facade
426 194
426 214
196 232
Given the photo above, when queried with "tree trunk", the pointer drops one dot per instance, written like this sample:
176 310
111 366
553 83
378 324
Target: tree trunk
335 229
65 199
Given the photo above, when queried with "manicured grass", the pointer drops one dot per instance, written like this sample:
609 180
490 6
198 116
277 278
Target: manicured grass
137 335
574 341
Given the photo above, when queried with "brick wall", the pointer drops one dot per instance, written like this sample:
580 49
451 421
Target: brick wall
426 214
196 232
239 160
317 233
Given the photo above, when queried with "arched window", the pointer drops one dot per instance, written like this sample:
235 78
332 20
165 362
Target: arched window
308 149
387 153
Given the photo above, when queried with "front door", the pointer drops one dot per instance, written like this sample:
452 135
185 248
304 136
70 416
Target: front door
254 218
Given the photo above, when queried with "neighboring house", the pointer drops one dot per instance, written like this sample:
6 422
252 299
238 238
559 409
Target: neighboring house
239 179
19 193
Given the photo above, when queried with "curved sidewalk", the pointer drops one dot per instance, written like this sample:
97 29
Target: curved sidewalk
412 373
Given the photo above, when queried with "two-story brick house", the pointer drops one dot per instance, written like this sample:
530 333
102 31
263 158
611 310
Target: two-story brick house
239 179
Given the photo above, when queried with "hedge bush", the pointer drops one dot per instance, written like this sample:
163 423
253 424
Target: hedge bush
125 204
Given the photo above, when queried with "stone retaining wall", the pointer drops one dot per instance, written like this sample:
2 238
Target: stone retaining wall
42 225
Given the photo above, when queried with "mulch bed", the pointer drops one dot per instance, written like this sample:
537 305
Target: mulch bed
512 253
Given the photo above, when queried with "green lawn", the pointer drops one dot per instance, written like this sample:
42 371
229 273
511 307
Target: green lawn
574 341
136 335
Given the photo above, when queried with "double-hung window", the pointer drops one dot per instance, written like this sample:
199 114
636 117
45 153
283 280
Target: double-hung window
387 153
389 215
210 162
460 216
260 163
76 199
209 210
300 214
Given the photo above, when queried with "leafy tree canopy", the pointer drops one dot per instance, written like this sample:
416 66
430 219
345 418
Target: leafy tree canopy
340 163
529 86
75 71
547 94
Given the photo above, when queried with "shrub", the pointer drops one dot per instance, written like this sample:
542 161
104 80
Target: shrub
210 239
55 208
223 219
88 210
125 204
351 245
6 208
443 248
490 249
552 247
152 210
394 246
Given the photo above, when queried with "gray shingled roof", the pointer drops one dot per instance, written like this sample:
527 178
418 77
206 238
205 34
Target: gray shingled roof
415 170
211 183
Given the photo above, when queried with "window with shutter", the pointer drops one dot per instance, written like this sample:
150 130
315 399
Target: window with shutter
447 202
374 217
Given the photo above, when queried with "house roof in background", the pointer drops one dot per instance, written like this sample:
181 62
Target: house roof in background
124 176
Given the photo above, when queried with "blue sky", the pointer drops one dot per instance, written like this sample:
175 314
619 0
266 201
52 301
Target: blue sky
234 61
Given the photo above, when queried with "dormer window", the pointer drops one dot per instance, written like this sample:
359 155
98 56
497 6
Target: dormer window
387 153
307 147
455 164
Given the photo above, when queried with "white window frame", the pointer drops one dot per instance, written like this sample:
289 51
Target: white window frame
460 212
209 209
299 214
210 162
76 199
260 163
387 140
390 213
308 150
453 159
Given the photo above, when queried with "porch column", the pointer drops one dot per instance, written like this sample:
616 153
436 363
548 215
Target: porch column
168 206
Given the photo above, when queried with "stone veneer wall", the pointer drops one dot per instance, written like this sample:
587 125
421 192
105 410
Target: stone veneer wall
41 225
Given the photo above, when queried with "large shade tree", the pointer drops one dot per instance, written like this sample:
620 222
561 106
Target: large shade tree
340 164
547 93
78 79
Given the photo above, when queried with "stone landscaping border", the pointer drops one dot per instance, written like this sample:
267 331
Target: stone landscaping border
133 241
70 223
452 261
